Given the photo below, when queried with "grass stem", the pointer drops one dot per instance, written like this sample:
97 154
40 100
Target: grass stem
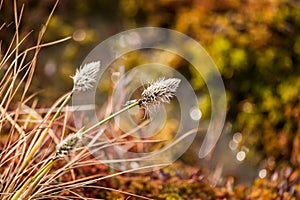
44 134
110 117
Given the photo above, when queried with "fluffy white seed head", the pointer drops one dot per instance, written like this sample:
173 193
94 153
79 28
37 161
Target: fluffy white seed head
85 76
158 92
68 145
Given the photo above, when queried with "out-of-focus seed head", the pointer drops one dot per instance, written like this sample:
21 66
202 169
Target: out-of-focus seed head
67 145
85 76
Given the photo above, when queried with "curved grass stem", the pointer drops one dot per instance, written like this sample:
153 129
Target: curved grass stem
110 117
44 133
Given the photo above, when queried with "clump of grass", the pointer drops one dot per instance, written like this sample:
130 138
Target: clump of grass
17 66
26 158
83 81
158 92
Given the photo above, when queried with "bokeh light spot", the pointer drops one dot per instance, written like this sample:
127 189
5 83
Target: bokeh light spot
195 114
262 173
237 137
233 145
79 35
241 155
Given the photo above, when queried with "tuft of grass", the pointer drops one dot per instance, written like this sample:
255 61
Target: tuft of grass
29 166
159 92
19 156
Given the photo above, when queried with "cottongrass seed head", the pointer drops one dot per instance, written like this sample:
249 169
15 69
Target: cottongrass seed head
66 146
85 76
159 92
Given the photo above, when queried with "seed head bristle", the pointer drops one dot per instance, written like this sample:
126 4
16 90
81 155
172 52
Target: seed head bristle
158 92
85 76
67 145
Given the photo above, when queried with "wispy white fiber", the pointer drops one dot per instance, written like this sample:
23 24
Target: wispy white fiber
85 76
158 92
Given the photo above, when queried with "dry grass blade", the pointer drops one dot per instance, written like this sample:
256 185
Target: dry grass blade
1 4
11 121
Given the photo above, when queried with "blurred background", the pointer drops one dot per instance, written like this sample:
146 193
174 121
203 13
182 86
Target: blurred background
255 44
